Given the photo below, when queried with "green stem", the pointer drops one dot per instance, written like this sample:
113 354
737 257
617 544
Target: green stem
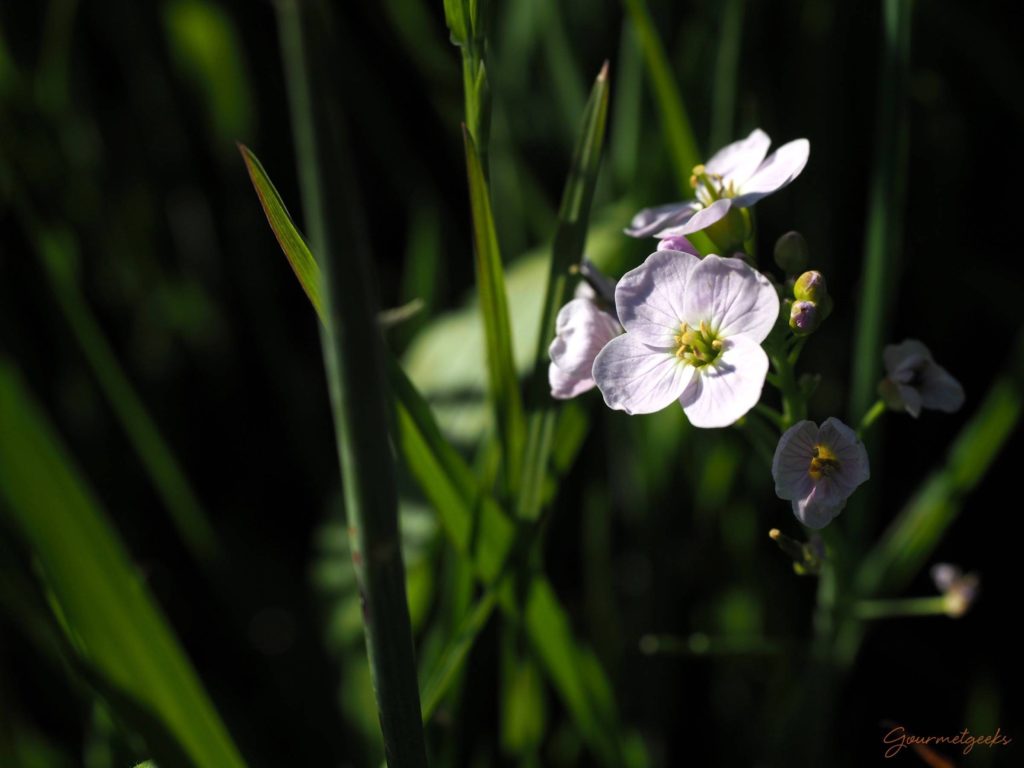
793 406
912 606
871 417
771 414
352 349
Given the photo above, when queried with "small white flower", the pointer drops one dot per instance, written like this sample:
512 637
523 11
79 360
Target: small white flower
693 334
960 589
582 329
818 469
736 177
916 381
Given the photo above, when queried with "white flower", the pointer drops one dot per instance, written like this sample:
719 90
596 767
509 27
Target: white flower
736 177
582 329
818 469
960 589
916 381
693 334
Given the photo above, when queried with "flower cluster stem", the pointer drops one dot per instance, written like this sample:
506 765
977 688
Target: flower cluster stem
912 606
873 414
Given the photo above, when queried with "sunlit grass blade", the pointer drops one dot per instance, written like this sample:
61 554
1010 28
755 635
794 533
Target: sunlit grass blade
353 356
501 368
59 254
111 621
679 135
567 250
301 260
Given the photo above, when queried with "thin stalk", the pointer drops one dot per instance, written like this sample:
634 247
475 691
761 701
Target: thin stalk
871 417
911 606
353 357
723 105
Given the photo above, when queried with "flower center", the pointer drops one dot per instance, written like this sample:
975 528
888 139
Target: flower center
824 462
709 187
698 346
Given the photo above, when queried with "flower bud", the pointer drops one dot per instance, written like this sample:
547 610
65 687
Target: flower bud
810 286
791 253
677 243
804 317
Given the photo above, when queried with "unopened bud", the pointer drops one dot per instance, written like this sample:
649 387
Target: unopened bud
810 286
677 243
791 253
804 317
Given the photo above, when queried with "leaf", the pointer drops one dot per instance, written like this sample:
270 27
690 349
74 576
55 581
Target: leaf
110 618
295 249
503 382
675 121
566 251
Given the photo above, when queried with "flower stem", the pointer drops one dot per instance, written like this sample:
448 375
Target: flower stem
874 412
793 406
912 606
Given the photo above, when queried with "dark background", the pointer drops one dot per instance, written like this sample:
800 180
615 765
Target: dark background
110 128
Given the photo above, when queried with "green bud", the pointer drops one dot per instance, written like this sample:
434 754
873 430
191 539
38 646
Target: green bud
804 317
791 253
810 286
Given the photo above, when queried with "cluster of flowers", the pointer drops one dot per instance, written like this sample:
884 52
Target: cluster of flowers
693 330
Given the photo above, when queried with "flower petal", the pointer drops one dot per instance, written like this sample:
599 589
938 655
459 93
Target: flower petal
732 297
649 299
940 391
910 397
635 378
850 453
726 390
582 329
904 359
821 506
651 220
702 219
781 167
792 460
738 161
678 243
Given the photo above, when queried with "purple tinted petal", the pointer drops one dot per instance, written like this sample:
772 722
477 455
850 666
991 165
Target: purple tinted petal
702 219
781 167
792 460
821 506
634 378
738 161
728 389
940 391
649 299
904 359
850 453
732 297
566 385
582 330
651 220
678 243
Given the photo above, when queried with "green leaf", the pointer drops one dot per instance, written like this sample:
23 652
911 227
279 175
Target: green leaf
567 251
295 249
503 382
679 135
110 619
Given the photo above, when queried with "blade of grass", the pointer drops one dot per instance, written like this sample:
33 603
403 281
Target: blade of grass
723 105
58 254
111 621
352 348
479 529
675 121
625 147
502 378
884 225
567 250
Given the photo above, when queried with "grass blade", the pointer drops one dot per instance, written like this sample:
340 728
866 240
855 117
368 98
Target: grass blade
110 618
353 356
567 250
502 378
726 67
679 135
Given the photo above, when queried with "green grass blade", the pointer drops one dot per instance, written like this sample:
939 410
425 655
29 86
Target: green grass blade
723 105
567 251
885 207
295 250
625 145
353 356
58 253
679 135
502 378
110 618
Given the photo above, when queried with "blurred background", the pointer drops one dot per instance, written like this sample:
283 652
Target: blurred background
147 308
